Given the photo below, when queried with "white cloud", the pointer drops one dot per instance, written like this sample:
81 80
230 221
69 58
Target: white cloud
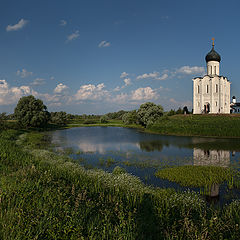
127 81
153 75
38 81
146 93
124 74
61 88
10 95
163 77
148 75
104 44
73 36
91 92
24 73
63 23
17 26
120 98
116 89
191 70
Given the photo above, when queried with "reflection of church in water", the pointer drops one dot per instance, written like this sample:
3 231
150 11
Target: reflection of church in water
219 158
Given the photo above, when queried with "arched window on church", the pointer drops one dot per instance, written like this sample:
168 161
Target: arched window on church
215 70
207 89
198 89
216 88
211 70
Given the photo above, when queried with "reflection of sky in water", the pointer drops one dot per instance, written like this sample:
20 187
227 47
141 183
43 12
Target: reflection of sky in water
142 153
133 145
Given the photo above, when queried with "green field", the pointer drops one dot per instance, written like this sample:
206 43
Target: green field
198 125
47 196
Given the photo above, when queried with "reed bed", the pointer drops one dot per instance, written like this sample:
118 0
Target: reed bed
48 196
197 176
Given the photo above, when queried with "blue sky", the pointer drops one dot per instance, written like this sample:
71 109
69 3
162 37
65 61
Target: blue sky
97 56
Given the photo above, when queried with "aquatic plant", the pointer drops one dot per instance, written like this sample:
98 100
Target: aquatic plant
197 176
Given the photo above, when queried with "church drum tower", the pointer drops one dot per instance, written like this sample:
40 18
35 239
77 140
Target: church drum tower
211 93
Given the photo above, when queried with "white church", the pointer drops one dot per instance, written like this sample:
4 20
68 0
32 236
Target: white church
211 93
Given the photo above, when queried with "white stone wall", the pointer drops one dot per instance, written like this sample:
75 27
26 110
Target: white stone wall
213 68
212 90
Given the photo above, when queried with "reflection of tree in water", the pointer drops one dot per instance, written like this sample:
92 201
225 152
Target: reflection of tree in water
150 146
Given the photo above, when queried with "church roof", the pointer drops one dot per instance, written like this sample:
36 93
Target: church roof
213 55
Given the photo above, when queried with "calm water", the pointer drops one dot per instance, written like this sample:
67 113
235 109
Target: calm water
141 154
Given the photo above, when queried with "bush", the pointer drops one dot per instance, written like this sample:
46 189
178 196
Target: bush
104 119
171 112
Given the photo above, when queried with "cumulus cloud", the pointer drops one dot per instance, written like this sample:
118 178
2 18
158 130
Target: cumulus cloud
73 36
60 88
146 93
104 44
38 81
17 26
10 95
127 81
124 74
24 73
191 70
63 23
91 92
120 98
153 75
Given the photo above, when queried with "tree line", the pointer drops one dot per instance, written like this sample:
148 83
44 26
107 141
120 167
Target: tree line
31 112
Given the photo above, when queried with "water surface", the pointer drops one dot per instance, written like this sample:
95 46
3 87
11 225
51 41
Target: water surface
141 154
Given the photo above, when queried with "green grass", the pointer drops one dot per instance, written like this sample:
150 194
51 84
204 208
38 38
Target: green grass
110 123
198 125
46 196
197 176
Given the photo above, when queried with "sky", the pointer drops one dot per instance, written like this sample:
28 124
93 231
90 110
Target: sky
100 56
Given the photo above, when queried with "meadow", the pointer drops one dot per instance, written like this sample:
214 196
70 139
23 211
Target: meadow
49 196
214 125
218 125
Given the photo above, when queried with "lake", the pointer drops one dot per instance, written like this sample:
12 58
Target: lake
141 154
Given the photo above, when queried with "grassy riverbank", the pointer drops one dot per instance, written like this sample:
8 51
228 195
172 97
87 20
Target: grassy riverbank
181 125
198 125
46 196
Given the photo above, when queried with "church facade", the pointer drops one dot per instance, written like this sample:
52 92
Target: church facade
211 93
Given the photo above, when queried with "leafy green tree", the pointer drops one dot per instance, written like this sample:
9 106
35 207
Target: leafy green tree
130 117
179 111
148 113
31 112
59 118
104 119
